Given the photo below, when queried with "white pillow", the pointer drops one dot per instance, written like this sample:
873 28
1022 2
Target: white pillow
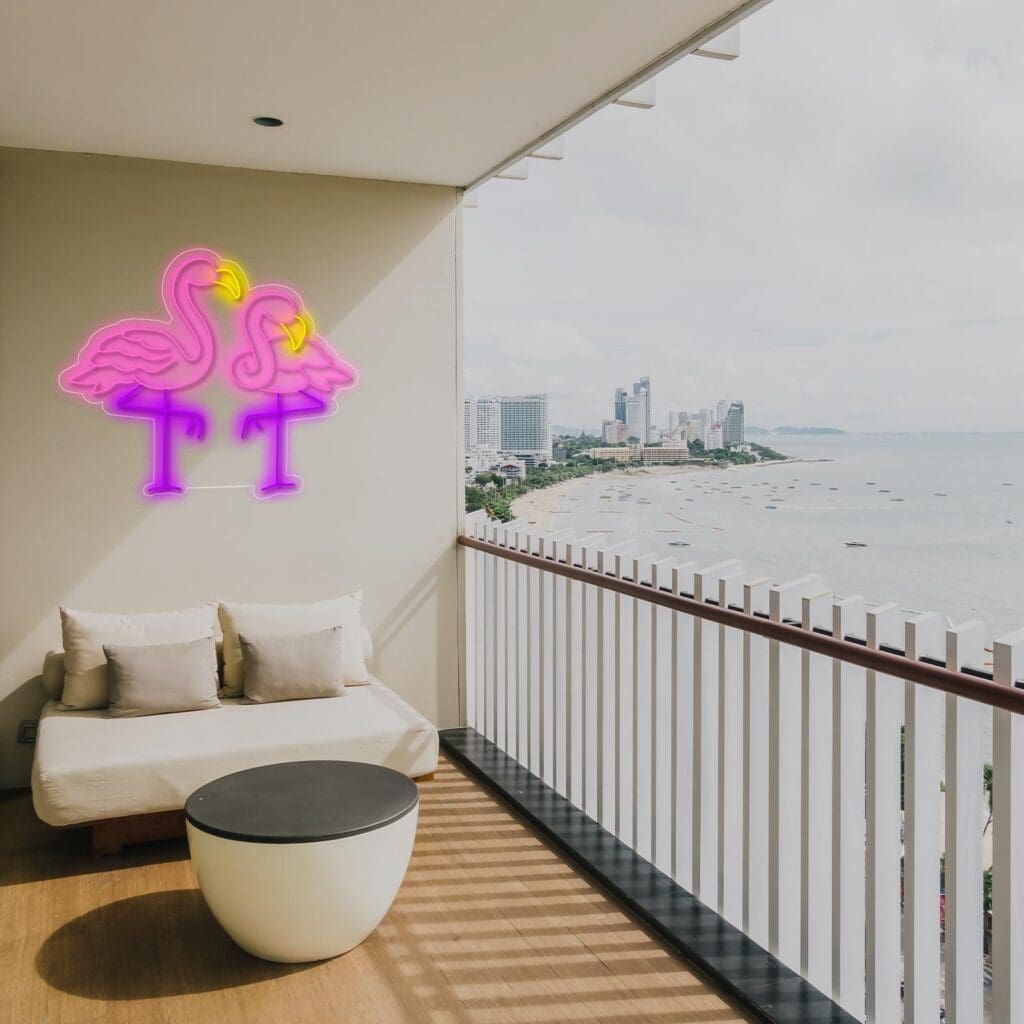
289 620
85 633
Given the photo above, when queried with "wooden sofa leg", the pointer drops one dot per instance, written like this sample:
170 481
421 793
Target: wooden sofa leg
429 777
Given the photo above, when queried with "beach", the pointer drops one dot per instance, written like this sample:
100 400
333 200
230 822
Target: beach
545 508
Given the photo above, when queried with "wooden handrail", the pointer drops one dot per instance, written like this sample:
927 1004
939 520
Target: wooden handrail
996 695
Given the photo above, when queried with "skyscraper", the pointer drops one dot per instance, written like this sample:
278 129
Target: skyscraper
721 410
620 404
636 423
642 390
732 425
482 424
525 431
704 420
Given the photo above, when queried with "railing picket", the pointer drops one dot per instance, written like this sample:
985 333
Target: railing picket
600 681
512 647
546 675
965 794
639 672
926 637
476 629
784 763
1008 841
705 735
681 754
884 843
816 821
532 659
755 770
730 756
661 574
493 633
587 680
622 658
849 709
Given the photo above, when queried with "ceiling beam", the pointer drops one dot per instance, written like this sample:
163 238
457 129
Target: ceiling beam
669 57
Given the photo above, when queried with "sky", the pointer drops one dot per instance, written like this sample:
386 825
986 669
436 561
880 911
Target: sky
830 228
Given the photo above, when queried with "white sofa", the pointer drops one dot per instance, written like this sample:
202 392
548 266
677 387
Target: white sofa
93 769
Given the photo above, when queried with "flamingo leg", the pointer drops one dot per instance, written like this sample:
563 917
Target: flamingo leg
276 415
163 411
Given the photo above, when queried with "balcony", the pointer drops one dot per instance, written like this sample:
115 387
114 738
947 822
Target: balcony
740 744
491 925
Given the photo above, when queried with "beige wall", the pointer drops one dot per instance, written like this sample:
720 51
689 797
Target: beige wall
82 241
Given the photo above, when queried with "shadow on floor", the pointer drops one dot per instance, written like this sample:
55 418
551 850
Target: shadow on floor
146 947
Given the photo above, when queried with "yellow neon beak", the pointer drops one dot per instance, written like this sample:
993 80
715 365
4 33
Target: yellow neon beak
231 277
298 330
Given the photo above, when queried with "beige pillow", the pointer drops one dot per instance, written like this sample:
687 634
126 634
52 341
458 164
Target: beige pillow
85 633
287 620
297 667
160 679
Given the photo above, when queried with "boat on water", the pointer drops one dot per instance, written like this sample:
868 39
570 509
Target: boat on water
940 494
896 499
678 543
856 544
883 490
771 506
871 483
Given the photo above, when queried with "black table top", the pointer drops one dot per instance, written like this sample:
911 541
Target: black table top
301 801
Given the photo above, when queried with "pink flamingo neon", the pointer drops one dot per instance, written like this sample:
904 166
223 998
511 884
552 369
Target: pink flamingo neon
279 354
134 367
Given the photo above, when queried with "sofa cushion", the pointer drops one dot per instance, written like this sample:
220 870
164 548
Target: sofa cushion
160 679
85 633
297 667
89 766
289 619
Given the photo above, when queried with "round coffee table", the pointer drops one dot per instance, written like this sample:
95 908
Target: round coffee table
301 861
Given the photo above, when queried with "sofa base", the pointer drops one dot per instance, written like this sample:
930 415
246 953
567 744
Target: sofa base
112 835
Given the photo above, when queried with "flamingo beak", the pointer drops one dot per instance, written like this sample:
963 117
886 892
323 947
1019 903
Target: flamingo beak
231 277
298 330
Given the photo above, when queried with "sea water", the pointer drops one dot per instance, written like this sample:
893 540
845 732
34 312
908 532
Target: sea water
940 515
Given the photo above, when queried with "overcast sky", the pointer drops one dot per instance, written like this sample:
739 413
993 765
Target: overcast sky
830 228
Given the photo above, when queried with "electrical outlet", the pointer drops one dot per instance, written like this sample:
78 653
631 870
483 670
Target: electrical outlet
27 731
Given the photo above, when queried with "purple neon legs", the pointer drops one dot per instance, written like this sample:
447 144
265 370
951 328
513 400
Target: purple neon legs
163 411
276 413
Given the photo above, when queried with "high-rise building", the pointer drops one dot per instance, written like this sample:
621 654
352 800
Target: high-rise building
720 411
525 431
636 419
714 437
704 420
642 390
482 424
620 404
732 425
614 432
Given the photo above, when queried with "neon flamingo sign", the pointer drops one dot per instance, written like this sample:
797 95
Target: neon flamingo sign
139 367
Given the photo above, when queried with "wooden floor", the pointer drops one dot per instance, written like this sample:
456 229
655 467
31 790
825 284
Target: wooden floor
490 926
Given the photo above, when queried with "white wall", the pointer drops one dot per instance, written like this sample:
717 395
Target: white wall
82 242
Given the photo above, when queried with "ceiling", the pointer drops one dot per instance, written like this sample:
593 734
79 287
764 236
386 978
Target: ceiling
437 91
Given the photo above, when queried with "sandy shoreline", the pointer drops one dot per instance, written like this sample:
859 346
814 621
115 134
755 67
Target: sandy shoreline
538 507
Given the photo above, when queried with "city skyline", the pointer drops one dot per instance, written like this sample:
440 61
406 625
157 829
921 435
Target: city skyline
740 238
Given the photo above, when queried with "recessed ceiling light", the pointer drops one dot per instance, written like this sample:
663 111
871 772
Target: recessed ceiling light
268 122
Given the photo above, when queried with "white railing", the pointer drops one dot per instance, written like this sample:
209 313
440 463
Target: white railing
763 777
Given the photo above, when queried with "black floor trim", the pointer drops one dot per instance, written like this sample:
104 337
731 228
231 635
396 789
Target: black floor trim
744 970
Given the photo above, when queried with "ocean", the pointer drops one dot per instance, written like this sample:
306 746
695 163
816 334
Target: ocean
939 514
